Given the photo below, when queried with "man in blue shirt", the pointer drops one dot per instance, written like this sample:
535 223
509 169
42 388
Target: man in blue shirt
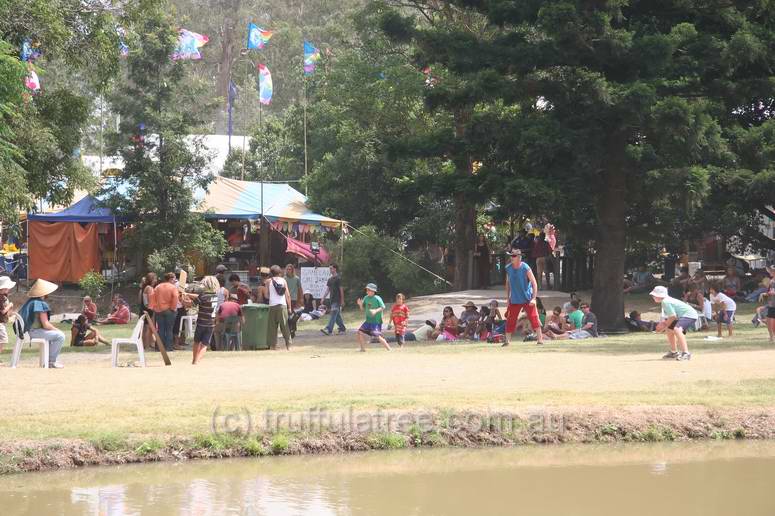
521 292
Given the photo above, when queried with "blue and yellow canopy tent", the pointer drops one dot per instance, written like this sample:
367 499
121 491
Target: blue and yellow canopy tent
283 207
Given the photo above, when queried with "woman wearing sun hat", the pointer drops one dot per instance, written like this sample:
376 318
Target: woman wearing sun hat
36 314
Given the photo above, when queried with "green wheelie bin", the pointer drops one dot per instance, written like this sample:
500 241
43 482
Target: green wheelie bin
254 334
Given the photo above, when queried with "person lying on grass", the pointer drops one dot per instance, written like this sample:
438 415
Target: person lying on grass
727 308
678 318
372 306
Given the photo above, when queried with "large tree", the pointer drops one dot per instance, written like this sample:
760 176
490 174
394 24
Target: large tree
637 97
40 132
160 107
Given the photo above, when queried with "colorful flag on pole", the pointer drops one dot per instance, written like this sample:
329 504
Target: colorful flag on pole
257 37
31 81
264 85
29 51
311 57
189 44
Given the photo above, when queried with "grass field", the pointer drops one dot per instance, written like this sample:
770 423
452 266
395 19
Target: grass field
89 398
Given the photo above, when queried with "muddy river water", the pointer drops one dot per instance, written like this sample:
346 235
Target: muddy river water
687 479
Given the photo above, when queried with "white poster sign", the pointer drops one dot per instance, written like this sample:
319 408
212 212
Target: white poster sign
314 279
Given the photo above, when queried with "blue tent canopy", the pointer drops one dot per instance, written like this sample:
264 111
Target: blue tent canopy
85 210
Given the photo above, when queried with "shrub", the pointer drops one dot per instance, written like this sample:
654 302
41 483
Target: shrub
92 284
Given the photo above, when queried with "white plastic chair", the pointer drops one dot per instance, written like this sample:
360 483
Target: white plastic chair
22 336
188 321
136 339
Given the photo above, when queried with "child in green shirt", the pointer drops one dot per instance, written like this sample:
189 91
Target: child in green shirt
373 306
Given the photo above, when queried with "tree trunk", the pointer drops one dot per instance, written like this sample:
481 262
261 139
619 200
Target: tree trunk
465 210
607 296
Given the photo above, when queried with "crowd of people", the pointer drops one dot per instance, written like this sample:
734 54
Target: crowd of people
687 303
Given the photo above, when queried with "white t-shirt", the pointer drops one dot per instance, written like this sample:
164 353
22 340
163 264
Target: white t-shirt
728 302
707 309
275 298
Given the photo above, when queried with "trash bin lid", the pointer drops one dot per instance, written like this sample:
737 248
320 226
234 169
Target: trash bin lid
254 308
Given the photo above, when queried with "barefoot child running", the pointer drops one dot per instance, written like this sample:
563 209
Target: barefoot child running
373 306
399 316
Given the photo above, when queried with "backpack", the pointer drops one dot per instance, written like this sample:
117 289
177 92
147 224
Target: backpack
279 288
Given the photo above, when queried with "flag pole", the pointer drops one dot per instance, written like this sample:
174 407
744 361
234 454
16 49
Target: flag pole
304 104
244 135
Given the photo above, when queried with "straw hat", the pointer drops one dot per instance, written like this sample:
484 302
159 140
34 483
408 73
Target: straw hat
42 288
5 282
470 304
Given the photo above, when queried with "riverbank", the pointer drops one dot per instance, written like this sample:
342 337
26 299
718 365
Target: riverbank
256 402
444 429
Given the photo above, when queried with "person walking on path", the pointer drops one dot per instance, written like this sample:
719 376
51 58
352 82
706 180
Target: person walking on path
35 313
521 292
336 291
279 307
373 306
166 298
679 317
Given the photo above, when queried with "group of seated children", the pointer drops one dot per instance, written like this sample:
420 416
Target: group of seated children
485 323
573 321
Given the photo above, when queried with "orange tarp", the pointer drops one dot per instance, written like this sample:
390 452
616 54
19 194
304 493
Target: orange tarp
63 251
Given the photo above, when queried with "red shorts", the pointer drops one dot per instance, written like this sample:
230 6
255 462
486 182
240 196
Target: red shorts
512 314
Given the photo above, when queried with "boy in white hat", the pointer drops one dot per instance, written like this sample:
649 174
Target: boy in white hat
678 318
5 308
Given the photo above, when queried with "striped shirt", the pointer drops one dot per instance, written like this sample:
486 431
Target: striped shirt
205 317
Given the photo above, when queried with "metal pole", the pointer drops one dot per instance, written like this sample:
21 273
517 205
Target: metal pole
102 122
244 136
304 103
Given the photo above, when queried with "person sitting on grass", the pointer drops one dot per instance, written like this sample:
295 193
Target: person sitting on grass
372 306
727 309
678 318
83 334
492 322
587 328
635 322
469 321
575 316
731 282
447 329
697 300
120 313
89 309
308 306
554 322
